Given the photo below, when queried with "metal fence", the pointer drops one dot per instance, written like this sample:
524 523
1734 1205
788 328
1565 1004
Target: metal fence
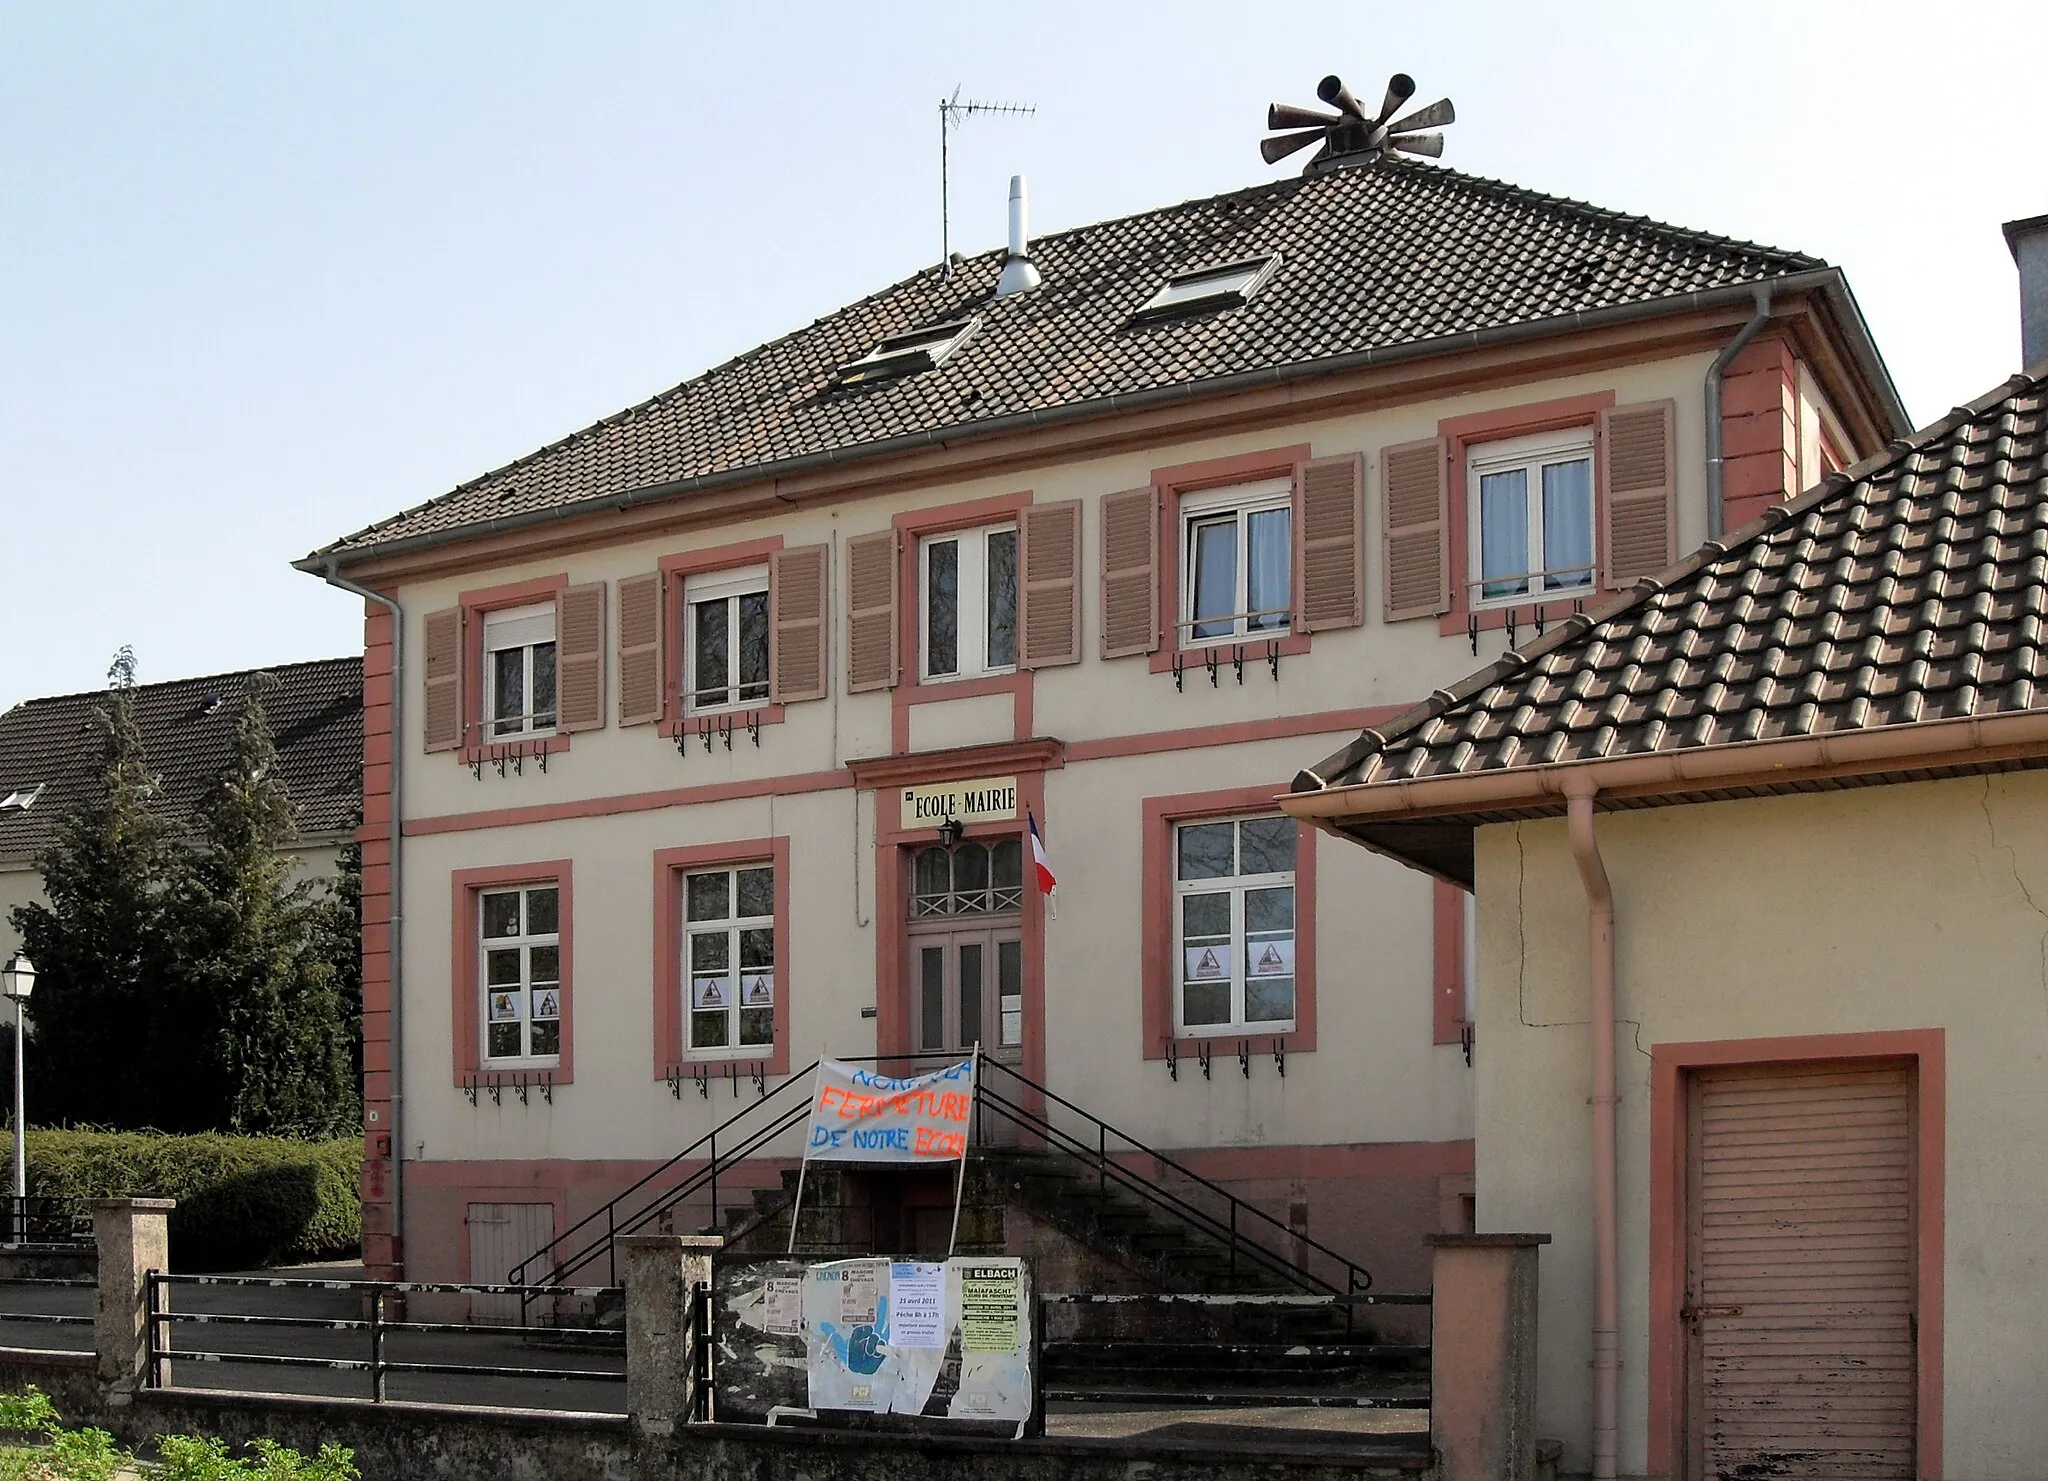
46 1313
48 1221
319 1329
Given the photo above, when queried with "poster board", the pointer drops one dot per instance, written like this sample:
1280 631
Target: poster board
935 1340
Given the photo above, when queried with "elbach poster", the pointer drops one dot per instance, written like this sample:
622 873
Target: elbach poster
945 1340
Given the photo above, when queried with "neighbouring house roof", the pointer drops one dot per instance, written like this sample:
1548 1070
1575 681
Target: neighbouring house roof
1396 260
1889 624
52 748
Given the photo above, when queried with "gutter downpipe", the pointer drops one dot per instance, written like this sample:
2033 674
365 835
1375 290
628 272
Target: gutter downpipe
1715 459
332 576
1580 792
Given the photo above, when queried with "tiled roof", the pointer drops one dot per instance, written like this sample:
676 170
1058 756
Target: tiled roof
316 719
1913 587
1371 259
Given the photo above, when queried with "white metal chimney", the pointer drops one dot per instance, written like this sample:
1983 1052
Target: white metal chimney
1020 274
2028 240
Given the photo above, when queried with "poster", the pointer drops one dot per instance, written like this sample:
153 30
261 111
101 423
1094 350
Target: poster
782 1306
547 1005
988 1307
1206 963
860 1116
846 1326
917 1305
860 1294
1269 958
757 990
504 1007
711 992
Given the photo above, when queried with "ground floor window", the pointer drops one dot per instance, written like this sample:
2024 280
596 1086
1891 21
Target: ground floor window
522 973
729 957
1234 925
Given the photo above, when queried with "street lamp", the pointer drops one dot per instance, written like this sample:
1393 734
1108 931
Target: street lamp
17 981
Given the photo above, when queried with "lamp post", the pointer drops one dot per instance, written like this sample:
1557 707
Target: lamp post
17 981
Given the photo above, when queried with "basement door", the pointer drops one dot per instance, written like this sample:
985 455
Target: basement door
1800 1281
500 1236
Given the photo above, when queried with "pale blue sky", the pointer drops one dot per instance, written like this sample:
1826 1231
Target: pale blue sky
269 272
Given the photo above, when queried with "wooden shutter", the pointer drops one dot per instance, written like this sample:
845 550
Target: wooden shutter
579 657
871 658
1049 585
1637 466
796 623
1329 523
1416 528
1800 1293
643 690
442 711
1130 572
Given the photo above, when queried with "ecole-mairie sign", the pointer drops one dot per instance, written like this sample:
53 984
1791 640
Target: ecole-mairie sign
982 800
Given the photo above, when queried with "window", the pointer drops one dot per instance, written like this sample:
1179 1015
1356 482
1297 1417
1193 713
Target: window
726 663
1234 926
968 879
969 580
1223 286
1531 517
519 670
729 957
22 798
1237 562
908 354
522 973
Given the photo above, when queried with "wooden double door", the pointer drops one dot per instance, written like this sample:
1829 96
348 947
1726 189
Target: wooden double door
967 987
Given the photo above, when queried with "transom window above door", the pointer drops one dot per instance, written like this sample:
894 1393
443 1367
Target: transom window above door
729 958
522 973
1234 926
1530 517
725 616
1237 562
968 879
519 671
968 603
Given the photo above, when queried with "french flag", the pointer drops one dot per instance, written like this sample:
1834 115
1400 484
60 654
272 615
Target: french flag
1048 884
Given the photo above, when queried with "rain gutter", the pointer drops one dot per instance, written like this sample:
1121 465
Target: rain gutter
1606 1238
1716 460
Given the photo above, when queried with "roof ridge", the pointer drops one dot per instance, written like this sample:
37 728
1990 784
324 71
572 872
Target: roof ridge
346 659
1442 702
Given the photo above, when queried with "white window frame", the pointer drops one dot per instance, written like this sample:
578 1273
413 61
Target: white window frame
1224 285
730 927
1531 453
970 639
523 943
523 624
1237 885
1244 500
711 586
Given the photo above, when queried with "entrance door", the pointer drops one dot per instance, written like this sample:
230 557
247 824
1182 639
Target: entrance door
500 1236
1800 1279
965 949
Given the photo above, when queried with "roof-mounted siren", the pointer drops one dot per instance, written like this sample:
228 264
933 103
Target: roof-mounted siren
1351 136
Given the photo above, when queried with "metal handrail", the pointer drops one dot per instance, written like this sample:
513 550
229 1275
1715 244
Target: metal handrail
1357 1276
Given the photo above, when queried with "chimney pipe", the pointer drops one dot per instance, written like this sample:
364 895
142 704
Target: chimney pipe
2028 240
1020 275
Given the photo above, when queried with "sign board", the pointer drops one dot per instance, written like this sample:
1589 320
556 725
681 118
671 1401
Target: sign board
860 1116
984 800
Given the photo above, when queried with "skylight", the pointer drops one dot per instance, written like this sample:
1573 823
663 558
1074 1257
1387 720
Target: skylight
21 799
1223 286
908 354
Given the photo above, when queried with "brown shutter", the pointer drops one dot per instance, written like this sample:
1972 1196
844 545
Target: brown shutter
1329 519
642 689
1130 572
871 660
1049 585
1416 528
1637 523
442 712
579 657
796 623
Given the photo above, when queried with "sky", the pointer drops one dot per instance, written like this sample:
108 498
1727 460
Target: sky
271 272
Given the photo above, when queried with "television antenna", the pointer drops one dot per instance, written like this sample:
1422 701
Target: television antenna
952 113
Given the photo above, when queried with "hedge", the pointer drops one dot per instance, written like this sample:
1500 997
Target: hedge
242 1200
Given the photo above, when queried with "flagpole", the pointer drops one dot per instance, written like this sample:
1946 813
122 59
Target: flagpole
960 1184
805 1165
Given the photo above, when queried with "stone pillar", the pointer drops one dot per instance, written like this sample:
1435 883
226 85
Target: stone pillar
1482 1413
661 1272
133 1235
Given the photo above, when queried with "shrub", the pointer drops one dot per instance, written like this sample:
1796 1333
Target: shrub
92 1455
242 1201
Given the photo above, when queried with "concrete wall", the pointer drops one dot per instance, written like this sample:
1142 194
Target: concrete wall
1906 907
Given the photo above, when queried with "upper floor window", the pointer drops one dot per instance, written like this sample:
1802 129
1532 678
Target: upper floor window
1234 926
729 957
1237 561
969 584
1531 517
519 670
522 973
727 649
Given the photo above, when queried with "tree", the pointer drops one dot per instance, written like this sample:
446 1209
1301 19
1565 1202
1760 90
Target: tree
255 951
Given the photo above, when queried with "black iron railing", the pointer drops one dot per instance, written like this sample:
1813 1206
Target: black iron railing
54 1221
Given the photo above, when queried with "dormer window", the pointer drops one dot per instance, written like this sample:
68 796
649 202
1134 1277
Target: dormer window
21 799
1224 286
908 354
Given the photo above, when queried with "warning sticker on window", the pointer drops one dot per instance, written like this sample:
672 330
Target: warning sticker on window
1269 958
1206 963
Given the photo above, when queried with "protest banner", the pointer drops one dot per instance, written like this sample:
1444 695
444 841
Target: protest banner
860 1116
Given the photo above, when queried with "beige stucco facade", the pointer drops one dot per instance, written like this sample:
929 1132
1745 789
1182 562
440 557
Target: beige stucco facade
1908 907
